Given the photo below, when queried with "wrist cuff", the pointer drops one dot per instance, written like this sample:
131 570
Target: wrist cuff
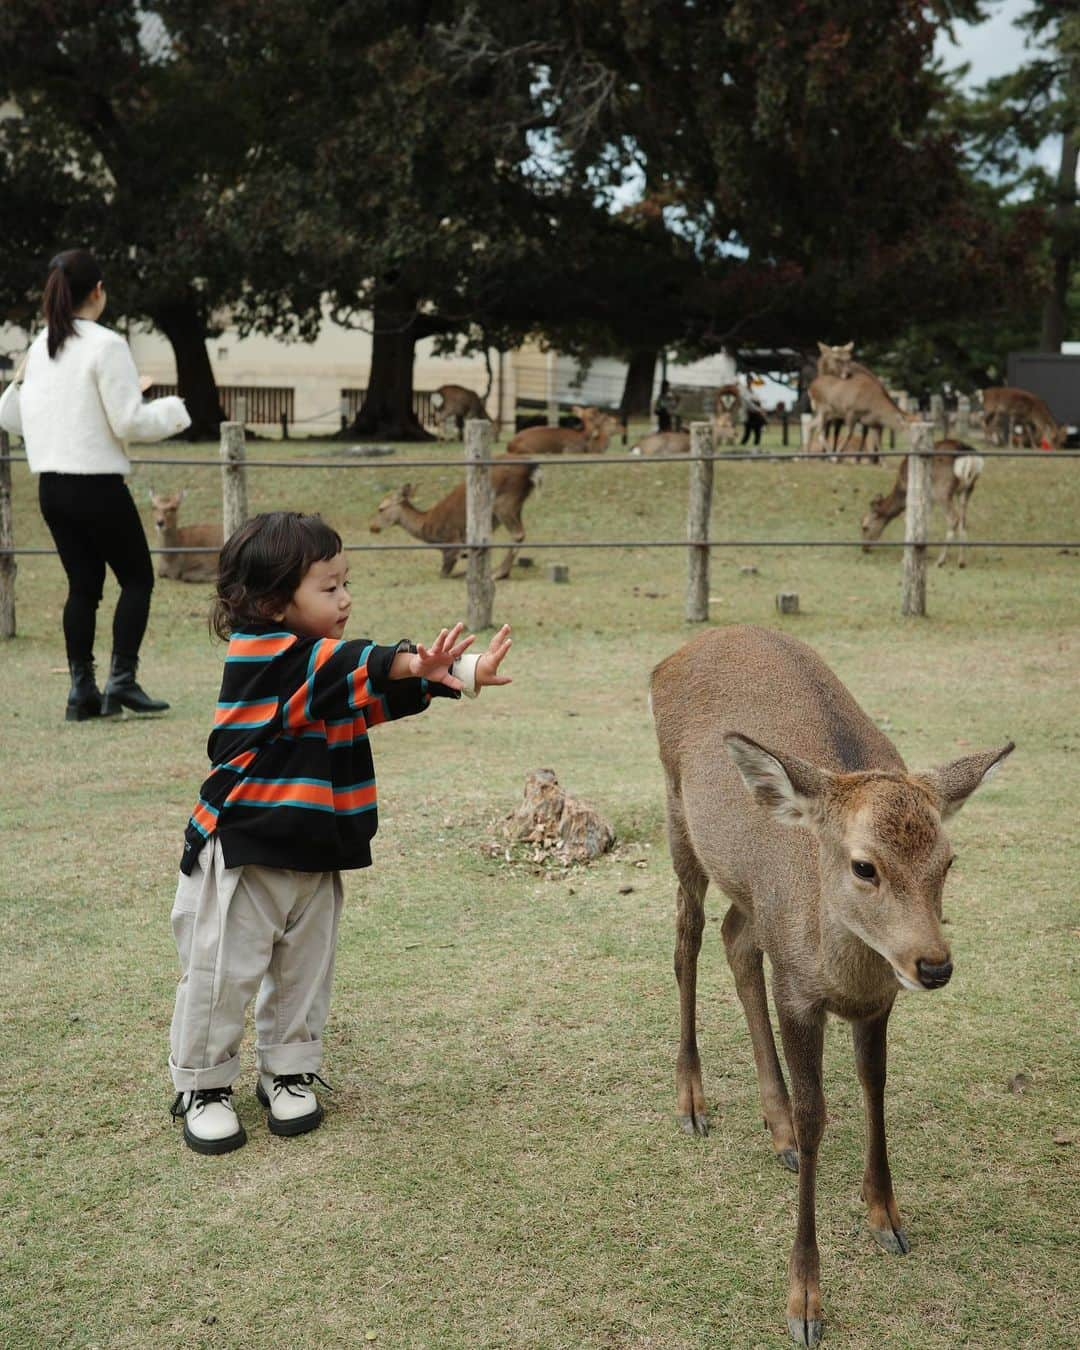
464 669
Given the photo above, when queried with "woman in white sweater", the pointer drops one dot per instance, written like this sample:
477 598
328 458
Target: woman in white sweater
76 401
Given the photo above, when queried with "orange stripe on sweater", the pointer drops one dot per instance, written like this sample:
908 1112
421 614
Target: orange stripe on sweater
316 794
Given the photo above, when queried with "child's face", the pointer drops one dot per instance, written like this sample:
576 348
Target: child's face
320 604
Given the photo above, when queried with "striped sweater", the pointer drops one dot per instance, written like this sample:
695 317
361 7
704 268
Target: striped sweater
292 782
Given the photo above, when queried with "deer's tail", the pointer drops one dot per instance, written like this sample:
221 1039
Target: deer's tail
966 468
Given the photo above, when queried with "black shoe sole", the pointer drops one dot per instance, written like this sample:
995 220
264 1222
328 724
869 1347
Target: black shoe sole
214 1146
287 1128
112 705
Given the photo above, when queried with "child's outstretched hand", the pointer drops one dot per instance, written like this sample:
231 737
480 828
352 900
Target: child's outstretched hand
433 663
487 668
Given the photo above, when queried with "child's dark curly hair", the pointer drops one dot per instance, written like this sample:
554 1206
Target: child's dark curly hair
263 563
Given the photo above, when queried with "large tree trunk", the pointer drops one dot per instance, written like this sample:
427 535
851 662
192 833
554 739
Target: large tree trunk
387 412
637 391
183 325
1063 229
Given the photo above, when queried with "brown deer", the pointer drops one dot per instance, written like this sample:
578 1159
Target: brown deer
663 443
565 440
184 566
850 400
453 403
1017 405
444 523
954 471
782 792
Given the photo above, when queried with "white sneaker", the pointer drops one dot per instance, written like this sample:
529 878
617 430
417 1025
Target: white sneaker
291 1102
211 1124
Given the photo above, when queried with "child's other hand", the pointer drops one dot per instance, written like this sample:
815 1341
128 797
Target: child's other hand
487 668
433 663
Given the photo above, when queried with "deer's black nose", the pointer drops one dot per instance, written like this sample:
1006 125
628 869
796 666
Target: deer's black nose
934 977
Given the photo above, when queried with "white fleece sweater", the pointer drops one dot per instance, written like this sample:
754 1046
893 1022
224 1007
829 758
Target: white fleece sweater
76 411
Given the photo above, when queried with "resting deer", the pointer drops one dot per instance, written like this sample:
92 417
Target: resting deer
453 403
1017 405
953 475
184 566
444 523
663 443
782 792
593 439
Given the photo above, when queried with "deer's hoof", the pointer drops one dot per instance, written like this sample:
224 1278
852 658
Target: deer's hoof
805 1330
892 1240
789 1158
697 1123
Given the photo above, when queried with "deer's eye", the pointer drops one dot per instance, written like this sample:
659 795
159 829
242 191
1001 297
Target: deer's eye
865 871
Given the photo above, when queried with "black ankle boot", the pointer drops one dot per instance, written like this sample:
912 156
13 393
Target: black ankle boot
122 690
84 697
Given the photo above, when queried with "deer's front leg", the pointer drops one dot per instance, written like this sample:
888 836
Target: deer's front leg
449 558
883 1215
803 1042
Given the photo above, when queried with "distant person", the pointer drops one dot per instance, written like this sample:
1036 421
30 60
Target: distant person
76 400
667 409
290 803
754 417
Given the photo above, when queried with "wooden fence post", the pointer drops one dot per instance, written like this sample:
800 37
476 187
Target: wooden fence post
963 417
234 504
697 522
937 414
917 518
8 565
478 501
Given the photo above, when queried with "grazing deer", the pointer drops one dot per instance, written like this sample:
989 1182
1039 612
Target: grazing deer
1017 405
954 471
565 440
847 904
184 566
444 523
453 403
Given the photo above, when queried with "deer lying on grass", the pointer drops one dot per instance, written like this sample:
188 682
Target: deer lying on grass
444 523
592 440
184 566
452 404
1017 405
847 904
954 471
663 443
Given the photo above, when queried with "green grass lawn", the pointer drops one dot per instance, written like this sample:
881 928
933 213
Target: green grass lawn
500 1164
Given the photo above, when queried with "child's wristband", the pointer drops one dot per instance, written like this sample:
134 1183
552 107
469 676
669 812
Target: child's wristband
464 669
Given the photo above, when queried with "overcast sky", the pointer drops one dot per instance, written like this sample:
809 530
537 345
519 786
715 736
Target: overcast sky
993 48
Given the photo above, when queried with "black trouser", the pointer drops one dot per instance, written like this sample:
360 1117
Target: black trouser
754 423
94 522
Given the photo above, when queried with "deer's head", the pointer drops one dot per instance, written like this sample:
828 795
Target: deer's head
600 428
388 511
165 507
882 852
873 522
836 361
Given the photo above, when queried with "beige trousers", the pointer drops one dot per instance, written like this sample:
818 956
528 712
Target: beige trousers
242 932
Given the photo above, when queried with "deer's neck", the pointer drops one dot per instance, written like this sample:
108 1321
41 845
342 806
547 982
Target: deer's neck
412 520
856 981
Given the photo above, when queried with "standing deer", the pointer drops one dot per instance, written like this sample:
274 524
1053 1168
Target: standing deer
184 566
785 794
1017 405
453 403
954 471
444 523
849 400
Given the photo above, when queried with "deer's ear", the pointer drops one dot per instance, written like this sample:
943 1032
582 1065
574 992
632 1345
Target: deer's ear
952 784
848 347
150 494
180 496
406 491
787 786
822 347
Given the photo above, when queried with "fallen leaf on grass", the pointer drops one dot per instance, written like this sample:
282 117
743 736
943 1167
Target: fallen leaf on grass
1019 1084
1061 1137
625 890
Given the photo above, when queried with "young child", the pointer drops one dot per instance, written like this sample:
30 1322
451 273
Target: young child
290 802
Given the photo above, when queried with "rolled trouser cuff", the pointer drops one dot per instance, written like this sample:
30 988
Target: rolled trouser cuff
295 1057
221 1075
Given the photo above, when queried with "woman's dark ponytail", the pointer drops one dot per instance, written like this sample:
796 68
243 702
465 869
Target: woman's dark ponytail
72 276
